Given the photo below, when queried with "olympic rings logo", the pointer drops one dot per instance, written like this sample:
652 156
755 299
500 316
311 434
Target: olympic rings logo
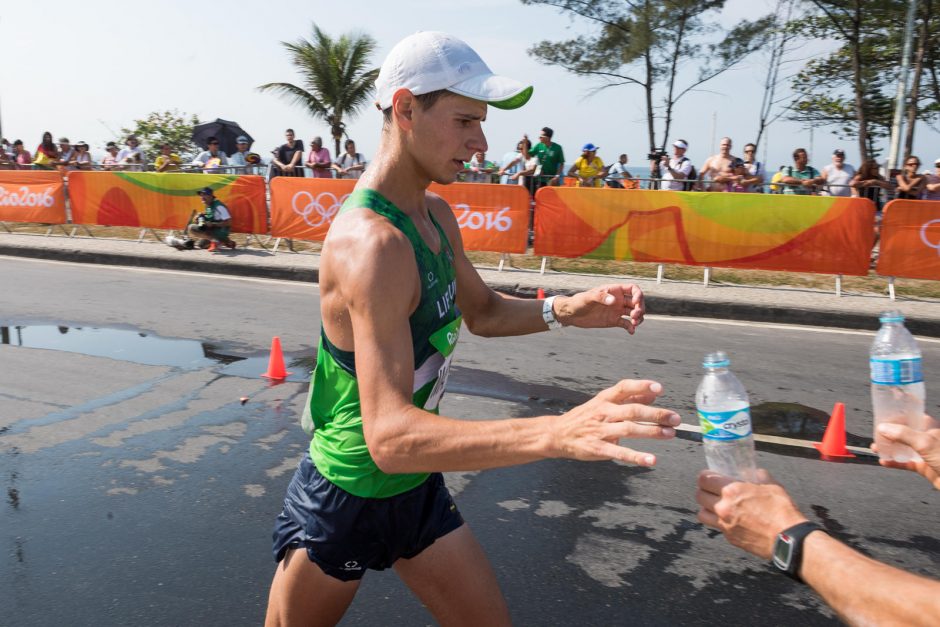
923 235
317 211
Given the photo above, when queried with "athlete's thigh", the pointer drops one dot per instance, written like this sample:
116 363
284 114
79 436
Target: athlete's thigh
454 579
302 594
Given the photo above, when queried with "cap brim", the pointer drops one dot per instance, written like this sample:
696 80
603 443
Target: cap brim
499 91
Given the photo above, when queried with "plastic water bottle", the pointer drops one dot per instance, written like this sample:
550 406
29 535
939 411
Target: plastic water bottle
897 384
724 413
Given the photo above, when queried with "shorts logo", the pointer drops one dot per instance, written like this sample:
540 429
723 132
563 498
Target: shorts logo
352 565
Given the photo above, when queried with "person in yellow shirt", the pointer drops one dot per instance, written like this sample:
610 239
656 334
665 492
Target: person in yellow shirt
588 169
167 161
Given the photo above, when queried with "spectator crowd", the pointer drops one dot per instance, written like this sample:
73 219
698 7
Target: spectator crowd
531 165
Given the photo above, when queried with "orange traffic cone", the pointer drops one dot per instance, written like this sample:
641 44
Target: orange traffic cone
540 293
276 363
833 443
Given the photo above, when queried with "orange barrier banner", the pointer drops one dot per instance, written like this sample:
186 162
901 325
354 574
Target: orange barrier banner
164 200
491 217
910 239
759 231
32 196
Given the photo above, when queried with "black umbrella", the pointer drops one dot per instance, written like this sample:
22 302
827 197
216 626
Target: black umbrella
226 132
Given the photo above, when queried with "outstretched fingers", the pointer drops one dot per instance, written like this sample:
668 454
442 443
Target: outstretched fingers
632 391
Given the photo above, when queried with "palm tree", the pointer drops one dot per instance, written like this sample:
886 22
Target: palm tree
336 82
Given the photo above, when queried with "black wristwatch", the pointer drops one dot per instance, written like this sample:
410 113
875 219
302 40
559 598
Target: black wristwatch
788 548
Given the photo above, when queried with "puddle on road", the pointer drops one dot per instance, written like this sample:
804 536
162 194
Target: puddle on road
793 420
148 349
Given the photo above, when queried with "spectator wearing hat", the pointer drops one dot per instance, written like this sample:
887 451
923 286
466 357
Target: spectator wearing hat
319 160
213 224
167 160
81 158
213 158
838 175
478 169
110 160
588 168
551 159
677 170
932 186
801 178
132 156
240 158
66 152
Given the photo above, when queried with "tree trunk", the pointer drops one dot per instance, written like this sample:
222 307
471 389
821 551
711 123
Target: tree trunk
915 83
682 20
859 87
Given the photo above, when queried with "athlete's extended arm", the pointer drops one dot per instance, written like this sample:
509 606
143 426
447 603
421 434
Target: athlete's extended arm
403 438
491 314
862 590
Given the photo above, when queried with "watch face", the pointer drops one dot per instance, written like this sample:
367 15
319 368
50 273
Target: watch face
783 551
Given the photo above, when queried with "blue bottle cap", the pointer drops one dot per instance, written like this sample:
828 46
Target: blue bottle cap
717 359
891 316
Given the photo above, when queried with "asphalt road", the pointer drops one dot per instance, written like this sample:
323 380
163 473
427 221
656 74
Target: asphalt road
140 490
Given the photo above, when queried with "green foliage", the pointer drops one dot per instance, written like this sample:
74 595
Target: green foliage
666 47
159 127
335 74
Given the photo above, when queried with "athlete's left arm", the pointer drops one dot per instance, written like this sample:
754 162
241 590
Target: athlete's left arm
491 314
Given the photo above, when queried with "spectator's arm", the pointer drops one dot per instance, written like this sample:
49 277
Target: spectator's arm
933 187
861 590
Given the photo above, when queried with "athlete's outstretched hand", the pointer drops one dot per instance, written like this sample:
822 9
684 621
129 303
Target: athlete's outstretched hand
591 431
614 305
925 443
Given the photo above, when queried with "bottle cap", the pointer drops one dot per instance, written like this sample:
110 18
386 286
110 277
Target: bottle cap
891 316
716 360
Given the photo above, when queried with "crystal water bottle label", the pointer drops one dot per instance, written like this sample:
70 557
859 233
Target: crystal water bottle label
895 371
725 425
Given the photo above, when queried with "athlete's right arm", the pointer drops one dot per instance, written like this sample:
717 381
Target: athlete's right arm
379 286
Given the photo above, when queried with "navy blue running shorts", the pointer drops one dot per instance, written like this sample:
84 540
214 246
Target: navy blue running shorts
346 534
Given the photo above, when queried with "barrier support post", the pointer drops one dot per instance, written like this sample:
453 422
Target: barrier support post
891 294
143 233
277 244
503 257
5 227
707 276
659 273
544 263
839 285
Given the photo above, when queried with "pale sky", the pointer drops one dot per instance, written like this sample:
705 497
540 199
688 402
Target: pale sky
86 69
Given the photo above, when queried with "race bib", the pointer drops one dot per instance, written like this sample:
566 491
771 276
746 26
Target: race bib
444 340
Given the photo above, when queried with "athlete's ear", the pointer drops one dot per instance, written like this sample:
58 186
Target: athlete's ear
403 106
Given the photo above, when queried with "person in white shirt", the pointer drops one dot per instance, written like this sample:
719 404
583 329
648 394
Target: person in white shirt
132 156
210 160
932 188
838 175
676 171
351 164
511 163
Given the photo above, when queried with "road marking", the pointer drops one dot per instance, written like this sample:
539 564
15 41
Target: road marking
776 439
777 325
181 273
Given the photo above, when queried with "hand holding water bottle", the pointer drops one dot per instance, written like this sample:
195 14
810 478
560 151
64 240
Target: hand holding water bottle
925 443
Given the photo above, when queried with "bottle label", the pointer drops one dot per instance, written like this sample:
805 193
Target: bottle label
895 371
725 425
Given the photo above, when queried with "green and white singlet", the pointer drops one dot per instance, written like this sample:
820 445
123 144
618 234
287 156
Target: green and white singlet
338 447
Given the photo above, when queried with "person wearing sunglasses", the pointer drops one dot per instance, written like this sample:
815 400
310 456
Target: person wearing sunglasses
932 184
910 183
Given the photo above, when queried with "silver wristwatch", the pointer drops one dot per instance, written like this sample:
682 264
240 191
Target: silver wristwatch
548 315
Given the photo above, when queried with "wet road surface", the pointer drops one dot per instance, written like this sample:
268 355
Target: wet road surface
139 489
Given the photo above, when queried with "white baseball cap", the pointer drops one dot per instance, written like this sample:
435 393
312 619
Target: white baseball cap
430 61
680 144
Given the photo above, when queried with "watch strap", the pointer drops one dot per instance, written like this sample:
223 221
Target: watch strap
548 314
794 536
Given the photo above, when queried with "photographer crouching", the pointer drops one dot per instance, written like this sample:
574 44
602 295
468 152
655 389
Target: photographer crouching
211 227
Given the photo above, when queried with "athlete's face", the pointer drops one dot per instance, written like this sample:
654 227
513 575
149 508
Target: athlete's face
446 135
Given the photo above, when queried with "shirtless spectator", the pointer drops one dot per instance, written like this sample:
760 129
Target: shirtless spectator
478 169
932 187
754 180
110 161
319 160
132 157
717 168
910 182
839 175
868 183
801 178
618 173
676 171
287 158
